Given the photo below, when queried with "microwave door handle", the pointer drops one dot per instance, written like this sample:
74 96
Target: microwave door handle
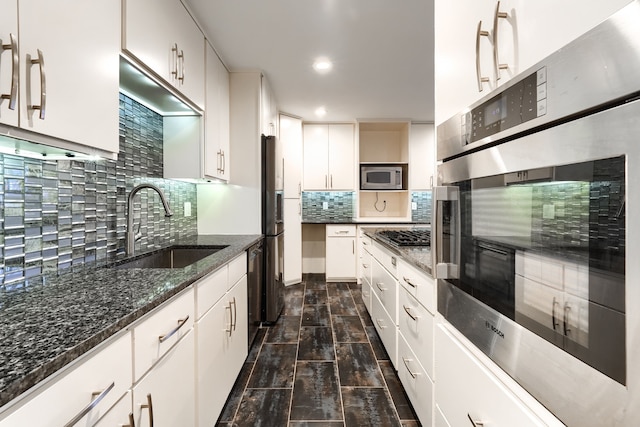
447 268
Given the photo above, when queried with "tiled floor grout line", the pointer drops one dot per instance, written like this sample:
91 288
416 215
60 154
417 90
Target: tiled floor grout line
335 355
295 362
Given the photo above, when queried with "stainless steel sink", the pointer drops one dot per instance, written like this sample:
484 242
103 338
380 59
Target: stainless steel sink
171 257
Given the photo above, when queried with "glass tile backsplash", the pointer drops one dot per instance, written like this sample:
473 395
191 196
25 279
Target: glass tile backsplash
421 207
57 214
328 206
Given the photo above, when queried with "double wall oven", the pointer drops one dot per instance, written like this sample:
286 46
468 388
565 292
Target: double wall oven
537 237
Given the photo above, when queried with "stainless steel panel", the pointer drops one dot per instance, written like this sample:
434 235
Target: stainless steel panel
598 67
273 286
255 277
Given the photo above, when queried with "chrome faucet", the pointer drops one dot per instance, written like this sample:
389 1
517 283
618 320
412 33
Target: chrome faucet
132 236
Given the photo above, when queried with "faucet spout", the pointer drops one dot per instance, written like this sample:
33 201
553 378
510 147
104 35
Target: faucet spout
131 235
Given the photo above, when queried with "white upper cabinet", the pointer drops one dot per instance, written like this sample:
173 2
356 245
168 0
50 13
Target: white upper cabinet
422 156
62 72
291 140
162 35
329 158
216 139
471 63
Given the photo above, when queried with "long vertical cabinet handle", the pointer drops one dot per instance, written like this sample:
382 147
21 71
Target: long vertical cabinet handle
181 68
98 397
480 33
149 407
234 321
219 161
43 86
565 319
12 96
474 422
174 54
132 421
447 268
554 321
496 55
229 330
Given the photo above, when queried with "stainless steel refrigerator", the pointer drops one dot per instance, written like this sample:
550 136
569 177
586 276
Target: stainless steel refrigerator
273 231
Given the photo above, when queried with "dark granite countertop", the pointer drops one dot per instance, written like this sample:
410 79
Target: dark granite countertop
418 256
49 321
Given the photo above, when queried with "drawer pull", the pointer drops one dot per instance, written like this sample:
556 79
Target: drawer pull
393 261
408 311
406 365
381 288
475 423
181 323
149 406
408 282
98 396
379 322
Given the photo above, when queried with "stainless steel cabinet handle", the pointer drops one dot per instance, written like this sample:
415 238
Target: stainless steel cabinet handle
235 313
331 181
98 397
43 86
219 161
475 423
12 96
408 311
174 53
406 365
132 421
554 321
393 261
299 189
408 281
496 56
299 208
149 406
181 60
230 329
381 288
565 321
353 246
181 323
224 162
382 325
480 33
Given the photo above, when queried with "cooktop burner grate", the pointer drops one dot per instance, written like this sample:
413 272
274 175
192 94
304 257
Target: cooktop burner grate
408 237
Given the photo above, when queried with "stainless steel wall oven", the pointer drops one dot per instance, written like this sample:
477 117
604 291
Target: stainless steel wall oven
535 258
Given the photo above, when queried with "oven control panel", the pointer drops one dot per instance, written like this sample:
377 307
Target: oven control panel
524 101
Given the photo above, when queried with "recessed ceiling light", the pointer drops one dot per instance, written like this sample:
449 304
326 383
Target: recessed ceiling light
322 65
321 111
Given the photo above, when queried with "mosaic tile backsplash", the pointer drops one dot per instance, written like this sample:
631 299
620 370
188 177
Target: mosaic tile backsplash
422 213
340 206
58 214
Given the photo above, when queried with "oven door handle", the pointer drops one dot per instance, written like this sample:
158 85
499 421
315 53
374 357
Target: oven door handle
448 268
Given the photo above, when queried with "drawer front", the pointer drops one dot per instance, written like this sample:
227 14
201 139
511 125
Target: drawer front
210 289
439 418
336 230
467 389
386 328
385 286
419 284
69 393
416 326
366 295
237 269
386 258
416 382
365 267
175 316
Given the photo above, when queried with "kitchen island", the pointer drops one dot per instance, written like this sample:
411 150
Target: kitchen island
51 320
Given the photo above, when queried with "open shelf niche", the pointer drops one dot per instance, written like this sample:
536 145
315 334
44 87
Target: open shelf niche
384 142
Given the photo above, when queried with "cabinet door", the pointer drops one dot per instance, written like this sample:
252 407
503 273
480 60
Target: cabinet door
70 392
169 388
216 142
467 389
416 382
292 241
341 259
341 157
78 77
163 36
316 160
221 351
416 324
8 81
118 415
422 156
291 140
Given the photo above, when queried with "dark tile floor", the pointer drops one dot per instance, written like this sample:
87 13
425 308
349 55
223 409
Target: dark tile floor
321 365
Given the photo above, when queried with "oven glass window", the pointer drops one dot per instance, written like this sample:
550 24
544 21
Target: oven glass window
546 248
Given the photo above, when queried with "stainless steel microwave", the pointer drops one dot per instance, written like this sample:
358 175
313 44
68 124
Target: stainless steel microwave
381 177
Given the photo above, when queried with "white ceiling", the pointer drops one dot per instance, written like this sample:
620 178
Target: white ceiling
382 53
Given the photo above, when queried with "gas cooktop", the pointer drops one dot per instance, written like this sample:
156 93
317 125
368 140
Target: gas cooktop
411 237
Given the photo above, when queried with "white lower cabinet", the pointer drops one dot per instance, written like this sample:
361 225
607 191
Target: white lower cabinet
102 378
164 397
415 324
119 415
341 252
417 383
385 287
221 351
439 419
466 391
386 328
